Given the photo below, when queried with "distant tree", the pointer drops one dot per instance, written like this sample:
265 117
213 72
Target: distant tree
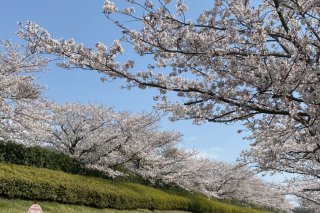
214 179
103 138
23 111
255 62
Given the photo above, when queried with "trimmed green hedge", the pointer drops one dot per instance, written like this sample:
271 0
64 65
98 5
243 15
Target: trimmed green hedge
40 157
43 184
11 152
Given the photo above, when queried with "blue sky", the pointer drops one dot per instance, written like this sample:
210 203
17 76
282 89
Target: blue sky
84 21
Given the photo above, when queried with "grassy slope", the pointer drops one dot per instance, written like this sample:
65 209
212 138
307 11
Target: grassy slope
21 206
43 184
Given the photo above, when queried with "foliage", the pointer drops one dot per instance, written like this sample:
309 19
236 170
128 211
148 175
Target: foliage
43 184
40 157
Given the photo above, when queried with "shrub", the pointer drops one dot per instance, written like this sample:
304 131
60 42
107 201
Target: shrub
14 153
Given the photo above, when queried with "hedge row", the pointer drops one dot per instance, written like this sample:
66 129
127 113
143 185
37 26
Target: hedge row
40 157
42 184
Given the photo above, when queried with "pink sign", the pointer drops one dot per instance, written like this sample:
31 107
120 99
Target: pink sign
35 208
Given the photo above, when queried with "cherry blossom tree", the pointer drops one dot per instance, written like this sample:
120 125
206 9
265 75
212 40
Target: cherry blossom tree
254 62
214 179
103 138
23 111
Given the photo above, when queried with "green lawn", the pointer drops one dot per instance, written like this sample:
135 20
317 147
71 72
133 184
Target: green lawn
21 206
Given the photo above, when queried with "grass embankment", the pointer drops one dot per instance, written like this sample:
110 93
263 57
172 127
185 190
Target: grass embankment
42 184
